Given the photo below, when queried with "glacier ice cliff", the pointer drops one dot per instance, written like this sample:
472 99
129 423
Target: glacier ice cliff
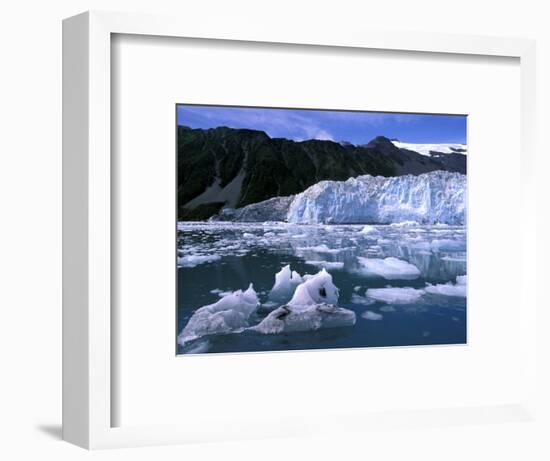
436 197
429 198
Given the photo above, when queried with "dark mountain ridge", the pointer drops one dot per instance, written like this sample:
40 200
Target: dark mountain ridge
236 167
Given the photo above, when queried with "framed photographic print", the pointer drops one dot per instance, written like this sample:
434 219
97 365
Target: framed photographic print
259 221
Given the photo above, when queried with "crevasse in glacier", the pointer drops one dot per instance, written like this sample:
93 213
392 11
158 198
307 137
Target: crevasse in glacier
436 197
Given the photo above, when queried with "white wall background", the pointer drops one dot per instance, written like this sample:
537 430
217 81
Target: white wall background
30 232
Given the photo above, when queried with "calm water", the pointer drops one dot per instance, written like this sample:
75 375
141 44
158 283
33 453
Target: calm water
224 257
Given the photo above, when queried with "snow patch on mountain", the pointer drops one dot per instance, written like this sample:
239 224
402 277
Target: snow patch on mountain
427 149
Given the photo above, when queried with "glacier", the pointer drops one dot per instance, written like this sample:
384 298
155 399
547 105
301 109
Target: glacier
430 198
438 197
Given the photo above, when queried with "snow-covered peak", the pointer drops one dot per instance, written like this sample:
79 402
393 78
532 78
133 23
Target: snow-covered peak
426 149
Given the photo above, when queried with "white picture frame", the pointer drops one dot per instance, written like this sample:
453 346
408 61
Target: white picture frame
87 360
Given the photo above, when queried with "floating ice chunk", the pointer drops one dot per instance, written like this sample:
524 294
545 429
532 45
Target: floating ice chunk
389 268
356 288
312 307
404 224
305 318
229 315
461 279
370 230
447 289
327 264
356 299
321 249
316 289
369 315
395 295
195 260
286 281
248 235
215 291
448 245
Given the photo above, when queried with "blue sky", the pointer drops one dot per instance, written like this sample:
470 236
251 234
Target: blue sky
355 127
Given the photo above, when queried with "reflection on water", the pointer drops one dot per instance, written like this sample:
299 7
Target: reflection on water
223 257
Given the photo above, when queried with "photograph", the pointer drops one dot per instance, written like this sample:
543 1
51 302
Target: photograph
302 229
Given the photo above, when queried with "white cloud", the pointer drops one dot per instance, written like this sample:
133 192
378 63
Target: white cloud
323 135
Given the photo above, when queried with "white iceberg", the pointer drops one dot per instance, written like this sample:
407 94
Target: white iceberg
286 281
311 308
305 318
229 315
395 295
195 260
316 289
369 315
370 231
336 265
389 268
356 299
459 289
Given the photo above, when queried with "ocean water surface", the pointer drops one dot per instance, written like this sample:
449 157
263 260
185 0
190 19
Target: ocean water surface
405 282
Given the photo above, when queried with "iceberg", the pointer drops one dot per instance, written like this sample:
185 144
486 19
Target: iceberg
195 260
335 265
449 289
370 230
316 289
370 315
389 268
436 197
305 318
286 281
229 315
395 295
312 307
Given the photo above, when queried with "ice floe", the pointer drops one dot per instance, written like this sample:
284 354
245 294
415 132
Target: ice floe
370 231
357 299
229 315
335 265
305 318
390 268
194 260
449 289
370 315
395 295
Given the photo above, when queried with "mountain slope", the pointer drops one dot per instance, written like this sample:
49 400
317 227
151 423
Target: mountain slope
236 167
